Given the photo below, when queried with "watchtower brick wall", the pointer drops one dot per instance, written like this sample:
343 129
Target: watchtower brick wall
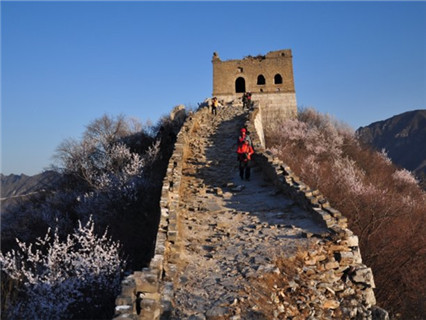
268 77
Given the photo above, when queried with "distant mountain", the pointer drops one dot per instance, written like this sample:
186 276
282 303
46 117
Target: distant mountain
14 187
403 137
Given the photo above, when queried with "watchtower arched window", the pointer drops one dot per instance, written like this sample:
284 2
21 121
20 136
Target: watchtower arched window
240 85
260 79
278 79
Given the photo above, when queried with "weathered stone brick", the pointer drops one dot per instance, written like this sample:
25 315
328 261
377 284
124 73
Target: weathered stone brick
364 275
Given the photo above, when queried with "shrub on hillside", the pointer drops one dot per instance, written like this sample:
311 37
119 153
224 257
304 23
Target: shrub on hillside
102 154
113 174
64 279
107 174
384 205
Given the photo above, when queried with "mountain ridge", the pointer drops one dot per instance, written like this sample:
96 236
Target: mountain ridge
15 186
403 137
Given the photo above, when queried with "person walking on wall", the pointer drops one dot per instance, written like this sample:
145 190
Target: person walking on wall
248 100
244 135
245 152
245 100
215 103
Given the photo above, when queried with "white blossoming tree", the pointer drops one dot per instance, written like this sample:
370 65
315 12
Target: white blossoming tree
64 279
112 176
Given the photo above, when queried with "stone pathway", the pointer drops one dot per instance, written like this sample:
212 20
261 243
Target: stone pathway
230 230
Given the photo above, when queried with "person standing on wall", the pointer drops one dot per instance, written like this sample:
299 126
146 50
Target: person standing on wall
244 135
245 152
248 100
215 103
245 100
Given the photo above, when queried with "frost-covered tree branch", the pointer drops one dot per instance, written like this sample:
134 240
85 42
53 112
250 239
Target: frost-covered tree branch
57 274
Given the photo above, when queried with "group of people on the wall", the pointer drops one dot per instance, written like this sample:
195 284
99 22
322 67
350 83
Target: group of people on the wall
246 99
245 147
244 153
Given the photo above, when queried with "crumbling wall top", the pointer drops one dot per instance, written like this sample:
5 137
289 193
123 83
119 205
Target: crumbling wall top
272 54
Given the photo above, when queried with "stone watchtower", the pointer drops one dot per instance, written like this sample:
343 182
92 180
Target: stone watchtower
269 78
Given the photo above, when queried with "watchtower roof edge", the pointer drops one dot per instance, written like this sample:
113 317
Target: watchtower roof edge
269 55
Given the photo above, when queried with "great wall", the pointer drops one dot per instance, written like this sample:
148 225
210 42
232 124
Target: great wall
218 235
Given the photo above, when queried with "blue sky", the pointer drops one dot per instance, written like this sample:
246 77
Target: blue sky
65 64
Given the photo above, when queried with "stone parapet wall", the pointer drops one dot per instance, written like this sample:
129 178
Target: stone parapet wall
151 289
276 106
256 125
290 183
339 253
283 105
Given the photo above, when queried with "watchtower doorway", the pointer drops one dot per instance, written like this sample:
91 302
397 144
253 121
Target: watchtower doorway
240 85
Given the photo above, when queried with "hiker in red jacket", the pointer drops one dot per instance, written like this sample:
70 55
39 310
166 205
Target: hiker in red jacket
244 152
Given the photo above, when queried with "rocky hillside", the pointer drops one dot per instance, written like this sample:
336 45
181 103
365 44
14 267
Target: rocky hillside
403 137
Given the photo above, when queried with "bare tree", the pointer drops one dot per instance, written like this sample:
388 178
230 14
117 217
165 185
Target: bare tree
93 156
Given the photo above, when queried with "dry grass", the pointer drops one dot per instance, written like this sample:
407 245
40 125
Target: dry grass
386 212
